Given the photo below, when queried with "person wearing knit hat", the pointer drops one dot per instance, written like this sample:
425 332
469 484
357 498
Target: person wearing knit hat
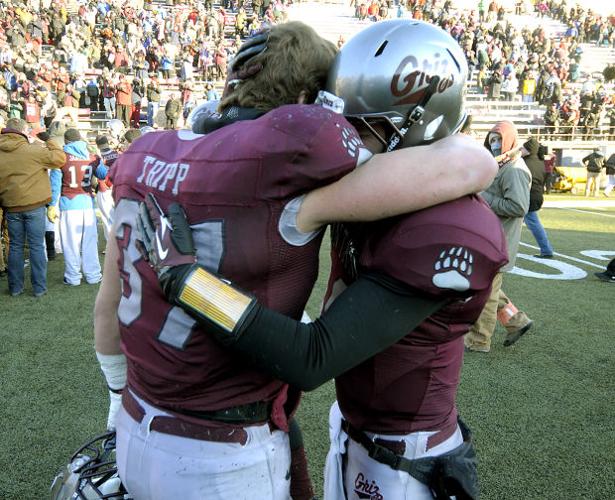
509 198
102 143
132 135
72 135
73 184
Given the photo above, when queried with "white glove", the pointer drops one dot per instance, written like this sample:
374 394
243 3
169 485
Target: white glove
113 367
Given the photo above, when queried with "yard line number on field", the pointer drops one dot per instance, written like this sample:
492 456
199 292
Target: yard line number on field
564 270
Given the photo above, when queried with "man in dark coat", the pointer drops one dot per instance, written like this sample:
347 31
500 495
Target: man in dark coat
594 163
172 111
535 162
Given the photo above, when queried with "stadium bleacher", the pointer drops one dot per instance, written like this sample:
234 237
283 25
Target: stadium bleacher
334 20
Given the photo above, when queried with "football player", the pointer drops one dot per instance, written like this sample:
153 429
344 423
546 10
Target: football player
104 201
428 274
78 230
195 421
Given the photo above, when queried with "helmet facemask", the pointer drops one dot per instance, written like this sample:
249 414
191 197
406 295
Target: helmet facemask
405 74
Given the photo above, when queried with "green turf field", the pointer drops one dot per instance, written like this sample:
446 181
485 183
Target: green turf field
542 411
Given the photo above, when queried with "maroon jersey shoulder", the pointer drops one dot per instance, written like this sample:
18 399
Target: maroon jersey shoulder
449 250
284 153
108 157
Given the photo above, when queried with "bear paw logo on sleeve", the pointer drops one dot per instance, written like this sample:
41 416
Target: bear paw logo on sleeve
351 142
453 268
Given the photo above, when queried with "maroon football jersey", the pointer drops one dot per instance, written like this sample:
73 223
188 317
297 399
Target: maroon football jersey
233 184
450 251
77 175
108 156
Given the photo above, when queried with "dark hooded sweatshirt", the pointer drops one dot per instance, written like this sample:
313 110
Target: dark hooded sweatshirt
536 165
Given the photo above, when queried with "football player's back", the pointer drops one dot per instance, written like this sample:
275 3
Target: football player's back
234 185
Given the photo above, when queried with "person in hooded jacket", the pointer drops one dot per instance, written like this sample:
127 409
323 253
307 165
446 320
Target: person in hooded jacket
535 162
77 216
509 197
25 194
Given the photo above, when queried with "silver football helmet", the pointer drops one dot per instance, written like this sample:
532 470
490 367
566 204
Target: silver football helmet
204 111
91 473
116 128
409 75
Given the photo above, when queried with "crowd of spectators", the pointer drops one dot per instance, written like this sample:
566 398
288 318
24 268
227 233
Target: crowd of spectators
526 64
118 56
112 56
115 55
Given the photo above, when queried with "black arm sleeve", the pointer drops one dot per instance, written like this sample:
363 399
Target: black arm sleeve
369 316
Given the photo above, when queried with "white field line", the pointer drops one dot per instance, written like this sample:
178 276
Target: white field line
585 211
596 203
574 259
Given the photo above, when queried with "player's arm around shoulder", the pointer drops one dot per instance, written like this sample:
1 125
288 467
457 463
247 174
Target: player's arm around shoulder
402 181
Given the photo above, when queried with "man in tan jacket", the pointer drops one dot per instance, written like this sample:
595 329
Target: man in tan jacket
24 194
509 197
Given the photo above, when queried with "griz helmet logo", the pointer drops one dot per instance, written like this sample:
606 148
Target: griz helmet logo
417 80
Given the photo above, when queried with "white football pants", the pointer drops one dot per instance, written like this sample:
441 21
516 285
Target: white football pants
363 477
80 245
104 201
157 466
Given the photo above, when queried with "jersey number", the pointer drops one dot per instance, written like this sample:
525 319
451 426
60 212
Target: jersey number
86 181
178 325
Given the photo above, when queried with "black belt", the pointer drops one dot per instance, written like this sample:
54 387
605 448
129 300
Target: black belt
378 451
250 413
179 427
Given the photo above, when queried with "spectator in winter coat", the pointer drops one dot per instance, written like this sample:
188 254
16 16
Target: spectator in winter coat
153 100
92 93
610 172
510 86
509 197
123 98
172 111
495 83
137 96
25 193
594 163
535 162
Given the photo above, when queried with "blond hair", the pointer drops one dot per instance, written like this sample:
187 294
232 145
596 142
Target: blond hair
296 60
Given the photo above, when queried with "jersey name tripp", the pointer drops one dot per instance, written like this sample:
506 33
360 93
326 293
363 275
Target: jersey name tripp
161 175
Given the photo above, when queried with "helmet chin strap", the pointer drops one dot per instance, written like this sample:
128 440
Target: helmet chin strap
415 115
